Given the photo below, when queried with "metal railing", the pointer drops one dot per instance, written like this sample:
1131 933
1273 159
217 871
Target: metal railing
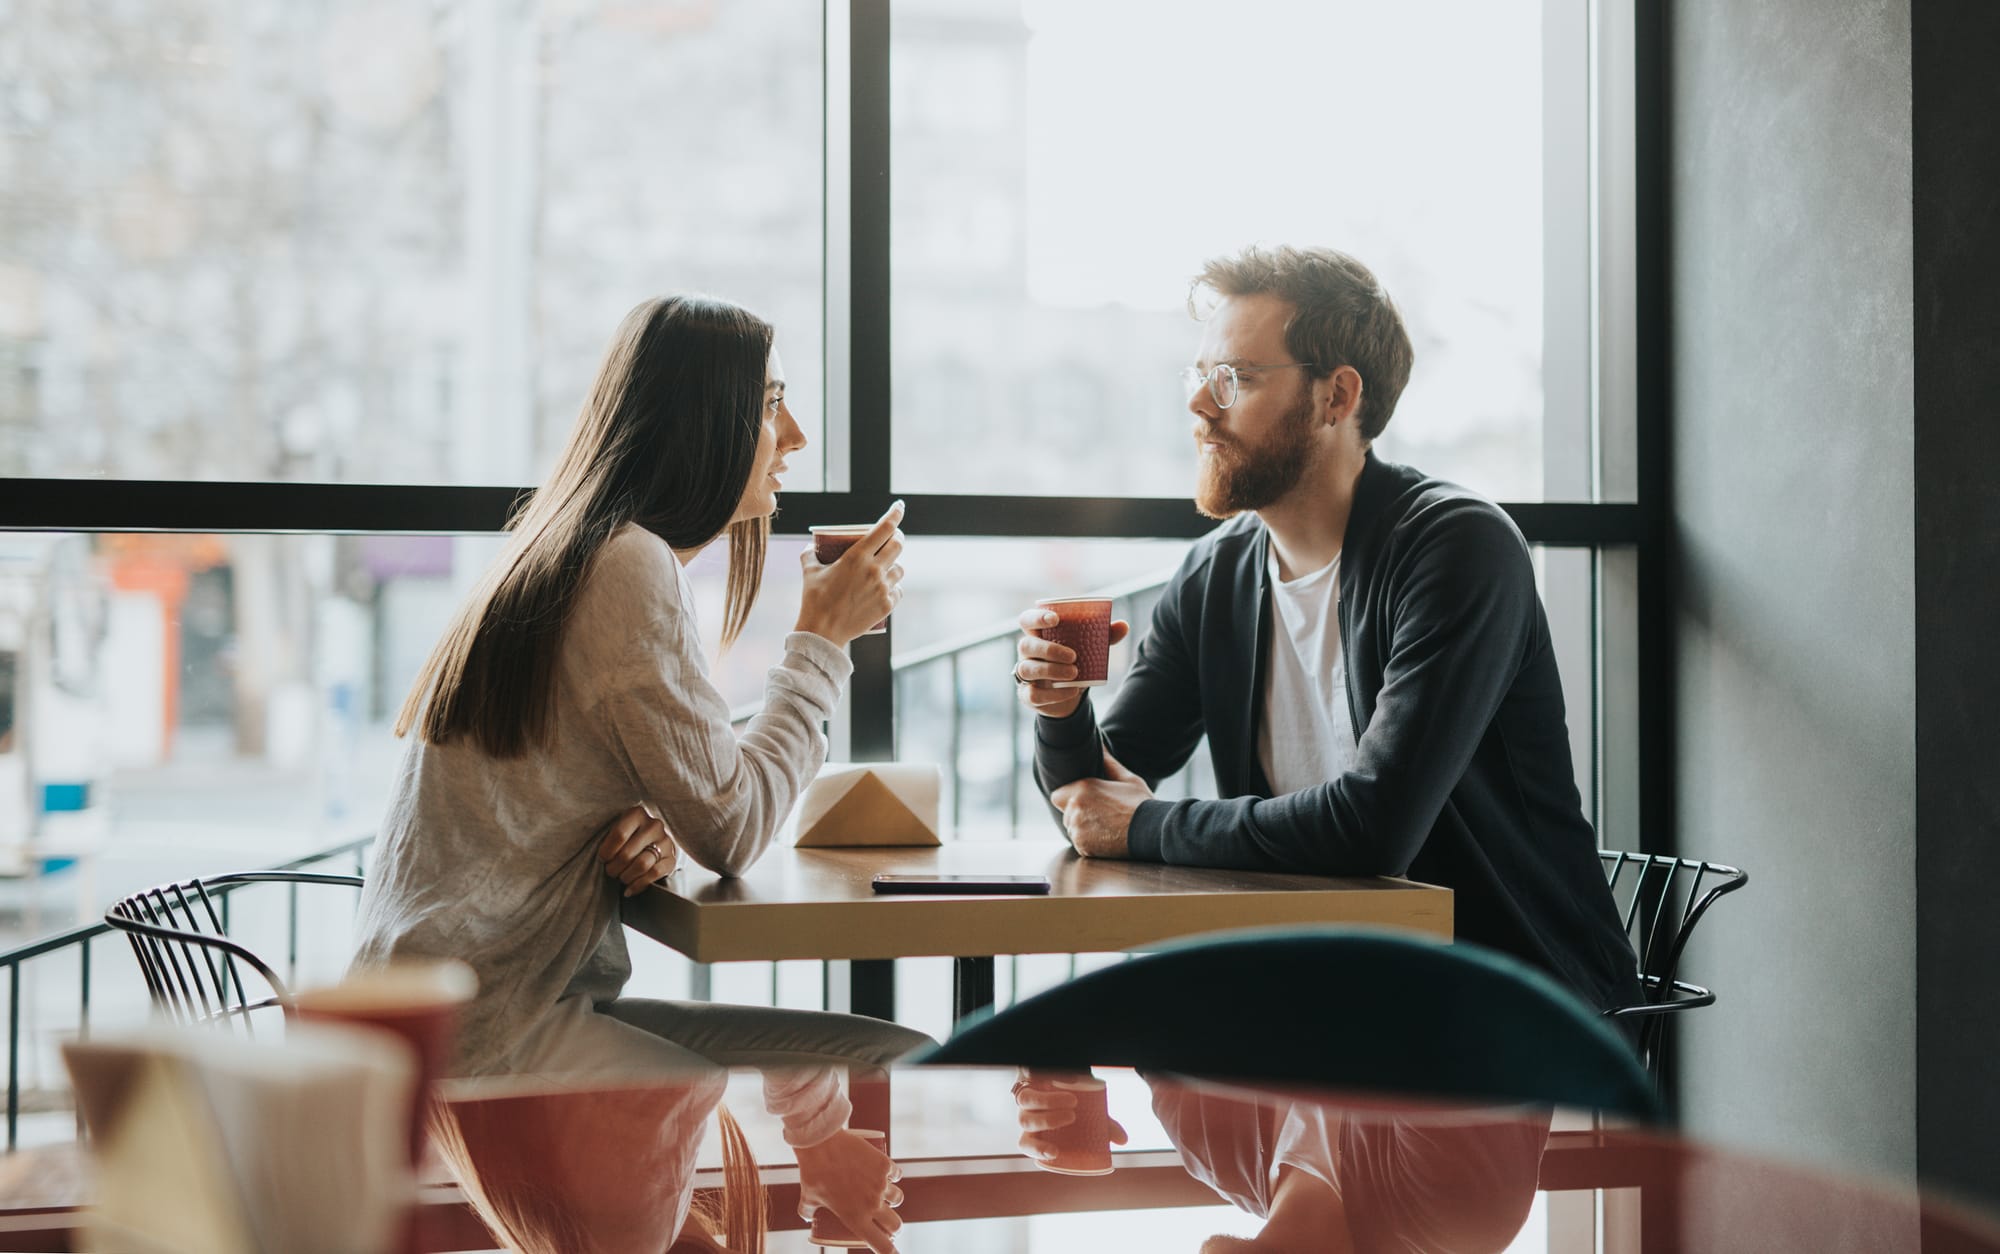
80 938
991 699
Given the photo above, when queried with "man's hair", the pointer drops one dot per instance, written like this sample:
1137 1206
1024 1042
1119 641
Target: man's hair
1341 316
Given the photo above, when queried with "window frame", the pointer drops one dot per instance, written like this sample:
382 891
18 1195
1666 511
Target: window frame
859 420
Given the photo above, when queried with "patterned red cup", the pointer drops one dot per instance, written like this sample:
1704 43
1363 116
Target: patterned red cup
830 542
1085 625
1083 1148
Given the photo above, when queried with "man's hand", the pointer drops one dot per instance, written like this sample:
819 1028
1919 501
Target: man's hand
637 850
1044 662
1042 1108
1097 813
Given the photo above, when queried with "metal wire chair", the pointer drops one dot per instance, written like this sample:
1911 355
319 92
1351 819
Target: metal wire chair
185 953
1661 901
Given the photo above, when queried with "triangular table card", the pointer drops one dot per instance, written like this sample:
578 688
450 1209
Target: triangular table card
875 803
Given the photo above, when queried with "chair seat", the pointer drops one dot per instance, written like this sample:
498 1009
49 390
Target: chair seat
1331 1007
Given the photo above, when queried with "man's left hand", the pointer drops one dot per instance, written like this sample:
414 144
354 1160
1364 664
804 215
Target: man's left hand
1098 812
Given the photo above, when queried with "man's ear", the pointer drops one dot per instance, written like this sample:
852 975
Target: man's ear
1343 395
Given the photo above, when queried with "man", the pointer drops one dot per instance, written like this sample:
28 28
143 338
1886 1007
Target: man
1331 1176
1364 648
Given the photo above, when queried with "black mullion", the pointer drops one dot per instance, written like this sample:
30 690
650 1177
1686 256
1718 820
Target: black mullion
871 694
1657 727
868 249
871 699
196 506
402 509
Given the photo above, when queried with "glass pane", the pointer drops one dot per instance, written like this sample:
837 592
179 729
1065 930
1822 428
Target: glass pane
383 242
1064 166
173 705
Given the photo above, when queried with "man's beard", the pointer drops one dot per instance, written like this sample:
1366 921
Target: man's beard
1234 478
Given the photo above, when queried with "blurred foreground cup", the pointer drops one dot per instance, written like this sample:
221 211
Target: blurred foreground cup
417 1002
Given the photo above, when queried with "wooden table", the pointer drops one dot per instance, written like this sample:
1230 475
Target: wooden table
817 903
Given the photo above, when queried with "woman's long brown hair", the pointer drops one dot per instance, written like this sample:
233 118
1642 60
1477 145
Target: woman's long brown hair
666 440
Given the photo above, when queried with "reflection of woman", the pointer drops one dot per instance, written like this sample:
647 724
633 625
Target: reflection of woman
607 1170
572 689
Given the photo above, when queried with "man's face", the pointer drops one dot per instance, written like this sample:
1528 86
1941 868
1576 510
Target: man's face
1256 451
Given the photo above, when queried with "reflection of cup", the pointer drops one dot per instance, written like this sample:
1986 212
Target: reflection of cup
1083 1148
830 542
1085 625
827 1230
415 1001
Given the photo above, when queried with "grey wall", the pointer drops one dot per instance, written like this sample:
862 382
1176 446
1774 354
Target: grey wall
1791 350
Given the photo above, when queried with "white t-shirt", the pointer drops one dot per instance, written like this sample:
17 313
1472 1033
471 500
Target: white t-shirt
1305 736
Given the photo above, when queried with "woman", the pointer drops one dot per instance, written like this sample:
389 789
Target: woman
571 691
611 1169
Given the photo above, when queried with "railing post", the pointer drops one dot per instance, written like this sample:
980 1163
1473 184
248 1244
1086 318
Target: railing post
292 935
13 1054
1014 765
83 991
957 731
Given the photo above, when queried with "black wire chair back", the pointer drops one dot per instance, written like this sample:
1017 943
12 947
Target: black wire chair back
1660 899
193 971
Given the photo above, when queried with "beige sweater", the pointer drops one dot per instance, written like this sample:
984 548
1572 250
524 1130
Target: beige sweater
495 861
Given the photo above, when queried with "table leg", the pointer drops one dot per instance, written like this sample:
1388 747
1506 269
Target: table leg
871 989
971 986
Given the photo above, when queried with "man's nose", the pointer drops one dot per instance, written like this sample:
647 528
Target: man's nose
1202 404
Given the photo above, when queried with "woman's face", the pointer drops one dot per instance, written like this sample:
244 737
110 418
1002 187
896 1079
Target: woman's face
777 437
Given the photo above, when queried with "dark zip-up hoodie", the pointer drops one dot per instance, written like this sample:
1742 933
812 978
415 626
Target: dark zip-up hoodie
1462 774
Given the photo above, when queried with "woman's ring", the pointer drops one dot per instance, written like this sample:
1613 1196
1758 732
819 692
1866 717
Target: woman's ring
657 852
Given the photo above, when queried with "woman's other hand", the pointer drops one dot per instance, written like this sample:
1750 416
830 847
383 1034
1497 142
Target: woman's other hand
637 850
847 598
849 1175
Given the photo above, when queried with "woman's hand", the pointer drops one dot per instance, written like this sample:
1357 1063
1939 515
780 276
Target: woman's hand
849 1176
847 598
1044 662
637 850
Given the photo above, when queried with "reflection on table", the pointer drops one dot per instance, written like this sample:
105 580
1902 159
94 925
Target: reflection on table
1193 1165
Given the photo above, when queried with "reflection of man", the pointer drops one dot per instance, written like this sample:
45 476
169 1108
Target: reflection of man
1328 1180
1363 647
1332 1179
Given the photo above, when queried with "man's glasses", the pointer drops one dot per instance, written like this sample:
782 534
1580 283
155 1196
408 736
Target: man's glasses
1224 380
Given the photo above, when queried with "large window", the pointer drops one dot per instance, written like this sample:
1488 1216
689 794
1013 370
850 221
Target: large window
382 242
294 298
1063 166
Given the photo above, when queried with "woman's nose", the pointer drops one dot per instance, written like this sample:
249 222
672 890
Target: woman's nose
790 435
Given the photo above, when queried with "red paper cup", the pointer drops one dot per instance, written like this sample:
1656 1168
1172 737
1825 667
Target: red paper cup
418 1002
827 1230
1085 625
1083 1148
830 542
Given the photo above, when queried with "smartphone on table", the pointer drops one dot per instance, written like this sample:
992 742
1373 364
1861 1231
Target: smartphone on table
969 884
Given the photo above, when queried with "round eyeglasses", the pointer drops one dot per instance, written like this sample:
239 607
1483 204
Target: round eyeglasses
1224 380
